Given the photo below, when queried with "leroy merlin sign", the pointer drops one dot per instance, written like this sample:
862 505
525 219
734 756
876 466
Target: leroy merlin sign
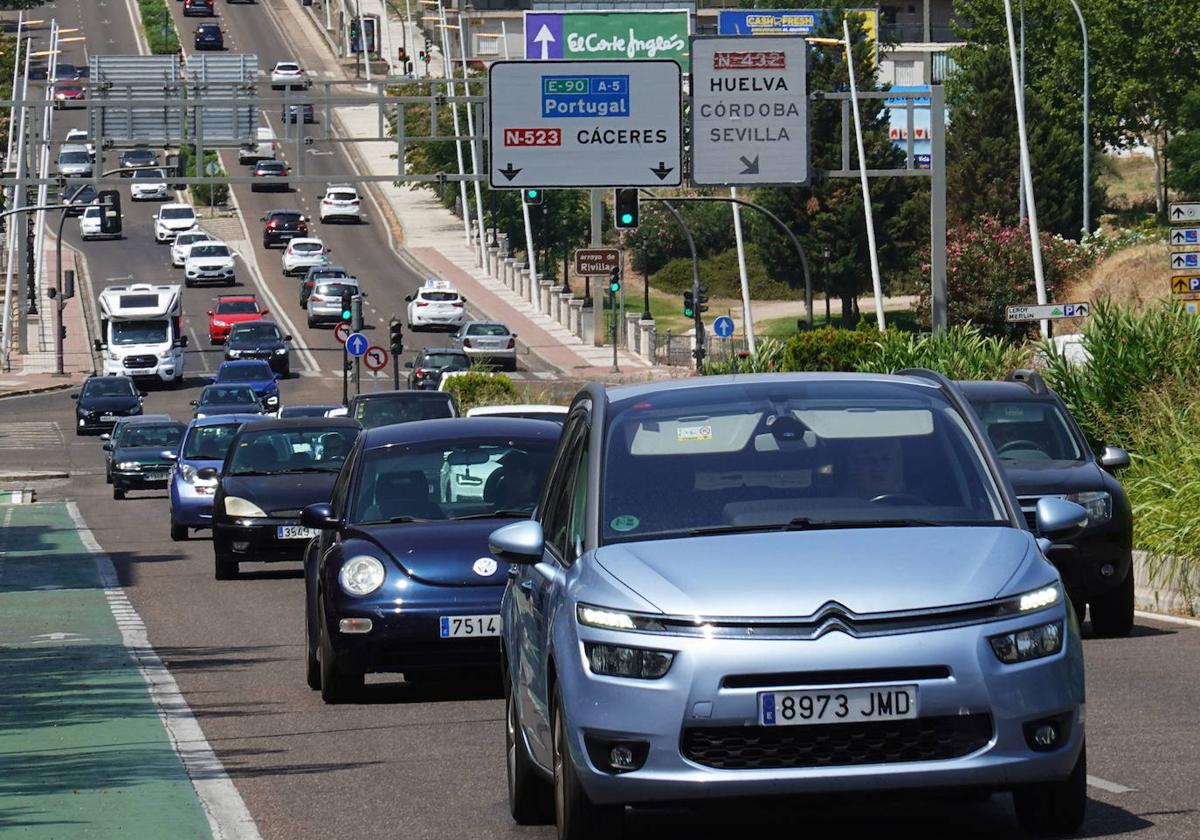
588 36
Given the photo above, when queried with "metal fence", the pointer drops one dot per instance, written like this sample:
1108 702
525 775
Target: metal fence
676 348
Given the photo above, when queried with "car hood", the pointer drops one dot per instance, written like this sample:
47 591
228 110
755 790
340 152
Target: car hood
192 262
237 318
224 408
113 403
1034 478
177 224
442 553
142 454
284 495
264 346
793 574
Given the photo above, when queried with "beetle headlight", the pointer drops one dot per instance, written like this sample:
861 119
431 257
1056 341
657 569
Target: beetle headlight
237 506
1030 643
1097 504
361 575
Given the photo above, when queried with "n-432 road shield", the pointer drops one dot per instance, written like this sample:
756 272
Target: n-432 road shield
584 124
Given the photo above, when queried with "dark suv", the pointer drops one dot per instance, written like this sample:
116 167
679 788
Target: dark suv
282 226
1044 453
432 364
209 37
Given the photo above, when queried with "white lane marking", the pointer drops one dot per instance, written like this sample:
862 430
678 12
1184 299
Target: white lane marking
1111 787
228 816
1170 619
196 341
135 19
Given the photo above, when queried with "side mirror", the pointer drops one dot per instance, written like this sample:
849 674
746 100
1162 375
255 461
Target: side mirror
265 312
207 474
512 335
108 447
262 218
183 341
278 376
75 396
1114 458
194 402
409 298
106 436
1059 520
210 312
319 516
97 345
287 338
520 542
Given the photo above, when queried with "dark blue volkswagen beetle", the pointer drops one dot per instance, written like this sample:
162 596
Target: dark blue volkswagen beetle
401 578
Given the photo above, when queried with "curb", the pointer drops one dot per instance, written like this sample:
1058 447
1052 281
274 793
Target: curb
33 475
41 389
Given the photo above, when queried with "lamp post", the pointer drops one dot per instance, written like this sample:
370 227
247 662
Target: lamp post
1087 144
825 277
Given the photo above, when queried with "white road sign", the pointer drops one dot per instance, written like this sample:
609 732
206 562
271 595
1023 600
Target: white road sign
1187 211
584 124
1049 312
749 110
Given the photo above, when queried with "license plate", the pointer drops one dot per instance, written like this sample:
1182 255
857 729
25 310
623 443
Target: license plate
156 476
459 626
295 532
838 705
108 418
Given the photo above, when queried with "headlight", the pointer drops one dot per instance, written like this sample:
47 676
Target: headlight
280 351
1098 506
113 357
1031 643
128 465
188 473
361 575
619 661
219 324
237 506
614 620
1035 599
233 352
272 400
164 354
200 415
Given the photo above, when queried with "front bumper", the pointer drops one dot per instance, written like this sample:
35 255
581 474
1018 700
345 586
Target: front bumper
162 234
190 505
279 363
96 423
139 479
225 274
142 193
165 370
256 540
694 704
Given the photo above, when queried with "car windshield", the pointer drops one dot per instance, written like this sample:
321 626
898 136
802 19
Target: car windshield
451 479
793 454
148 174
439 296
453 361
177 213
233 307
307 247
287 68
252 334
1028 431
278 451
140 158
227 395
335 289
212 251
271 166
373 412
74 157
166 435
326 273
139 332
209 443
189 238
487 329
245 372
84 194
108 386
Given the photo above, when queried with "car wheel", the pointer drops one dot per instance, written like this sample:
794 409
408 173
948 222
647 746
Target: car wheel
187 284
1112 612
577 817
179 533
224 566
118 493
336 687
1054 807
108 478
215 342
530 799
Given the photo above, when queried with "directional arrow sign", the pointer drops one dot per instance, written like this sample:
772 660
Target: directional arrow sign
749 110
1185 236
1048 312
356 344
584 124
544 38
1182 284
1186 211
1185 259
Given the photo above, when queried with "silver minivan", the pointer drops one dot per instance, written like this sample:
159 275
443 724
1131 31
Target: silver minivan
74 162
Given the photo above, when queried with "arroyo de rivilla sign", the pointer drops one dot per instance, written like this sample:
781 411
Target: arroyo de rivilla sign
592 36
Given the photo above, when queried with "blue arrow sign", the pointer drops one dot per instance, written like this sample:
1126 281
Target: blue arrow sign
723 327
357 344
1185 259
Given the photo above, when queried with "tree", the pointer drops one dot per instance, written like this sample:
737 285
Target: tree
659 239
1183 152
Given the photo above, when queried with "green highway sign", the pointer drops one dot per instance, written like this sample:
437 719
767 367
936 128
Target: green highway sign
593 36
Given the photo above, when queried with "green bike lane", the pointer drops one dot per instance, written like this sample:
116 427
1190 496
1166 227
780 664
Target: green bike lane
84 751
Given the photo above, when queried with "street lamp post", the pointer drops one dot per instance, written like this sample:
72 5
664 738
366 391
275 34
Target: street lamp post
1087 144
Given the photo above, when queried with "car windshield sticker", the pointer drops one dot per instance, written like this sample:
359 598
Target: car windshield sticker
685 433
625 522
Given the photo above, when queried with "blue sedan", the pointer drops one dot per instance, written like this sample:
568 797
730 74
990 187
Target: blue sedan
257 374
204 444
400 578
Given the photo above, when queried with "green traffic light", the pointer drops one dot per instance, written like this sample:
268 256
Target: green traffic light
689 312
614 287
345 315
531 193
626 218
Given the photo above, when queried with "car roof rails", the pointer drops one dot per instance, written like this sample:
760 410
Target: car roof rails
1030 378
925 373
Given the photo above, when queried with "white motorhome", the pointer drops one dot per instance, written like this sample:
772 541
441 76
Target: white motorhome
142 329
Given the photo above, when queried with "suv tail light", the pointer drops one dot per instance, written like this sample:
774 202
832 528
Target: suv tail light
458 303
512 342
272 225
421 373
422 303
354 202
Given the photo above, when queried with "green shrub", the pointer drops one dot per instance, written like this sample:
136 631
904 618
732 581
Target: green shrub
476 387
204 194
769 355
154 13
962 352
828 348
719 274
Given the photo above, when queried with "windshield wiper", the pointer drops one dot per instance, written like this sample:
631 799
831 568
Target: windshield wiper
803 523
395 520
496 514
312 470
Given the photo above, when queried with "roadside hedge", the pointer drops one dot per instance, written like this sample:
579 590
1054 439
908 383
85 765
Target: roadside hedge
477 387
154 14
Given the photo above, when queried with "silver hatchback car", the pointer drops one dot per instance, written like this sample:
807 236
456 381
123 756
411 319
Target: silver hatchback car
784 584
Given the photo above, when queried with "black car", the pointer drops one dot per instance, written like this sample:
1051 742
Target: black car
103 400
77 196
274 469
288 113
1045 453
315 274
260 340
282 226
227 399
432 363
202 8
274 175
209 37
385 408
409 523
133 158
142 451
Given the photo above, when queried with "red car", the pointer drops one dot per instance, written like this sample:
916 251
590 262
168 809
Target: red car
232 309
65 92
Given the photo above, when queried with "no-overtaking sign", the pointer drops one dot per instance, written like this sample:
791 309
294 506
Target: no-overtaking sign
584 124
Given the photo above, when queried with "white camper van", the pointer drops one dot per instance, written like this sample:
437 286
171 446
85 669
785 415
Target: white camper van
142 330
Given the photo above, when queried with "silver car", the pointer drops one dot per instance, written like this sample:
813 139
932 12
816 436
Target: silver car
74 162
488 341
325 302
785 584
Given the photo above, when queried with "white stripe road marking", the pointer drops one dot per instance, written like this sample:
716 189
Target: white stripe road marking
228 816
196 341
1111 787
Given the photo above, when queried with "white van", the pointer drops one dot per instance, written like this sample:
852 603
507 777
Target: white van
262 149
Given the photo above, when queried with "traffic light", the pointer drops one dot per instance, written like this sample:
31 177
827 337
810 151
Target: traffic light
402 56
396 332
426 54
422 55
110 212
701 300
347 303
625 203
689 304
531 196
614 281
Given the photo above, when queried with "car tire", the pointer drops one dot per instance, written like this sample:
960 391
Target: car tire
1052 808
118 493
108 478
577 817
187 284
530 799
1112 612
179 533
336 686
224 566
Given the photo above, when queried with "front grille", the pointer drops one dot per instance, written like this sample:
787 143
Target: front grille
842 677
140 361
290 513
838 744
